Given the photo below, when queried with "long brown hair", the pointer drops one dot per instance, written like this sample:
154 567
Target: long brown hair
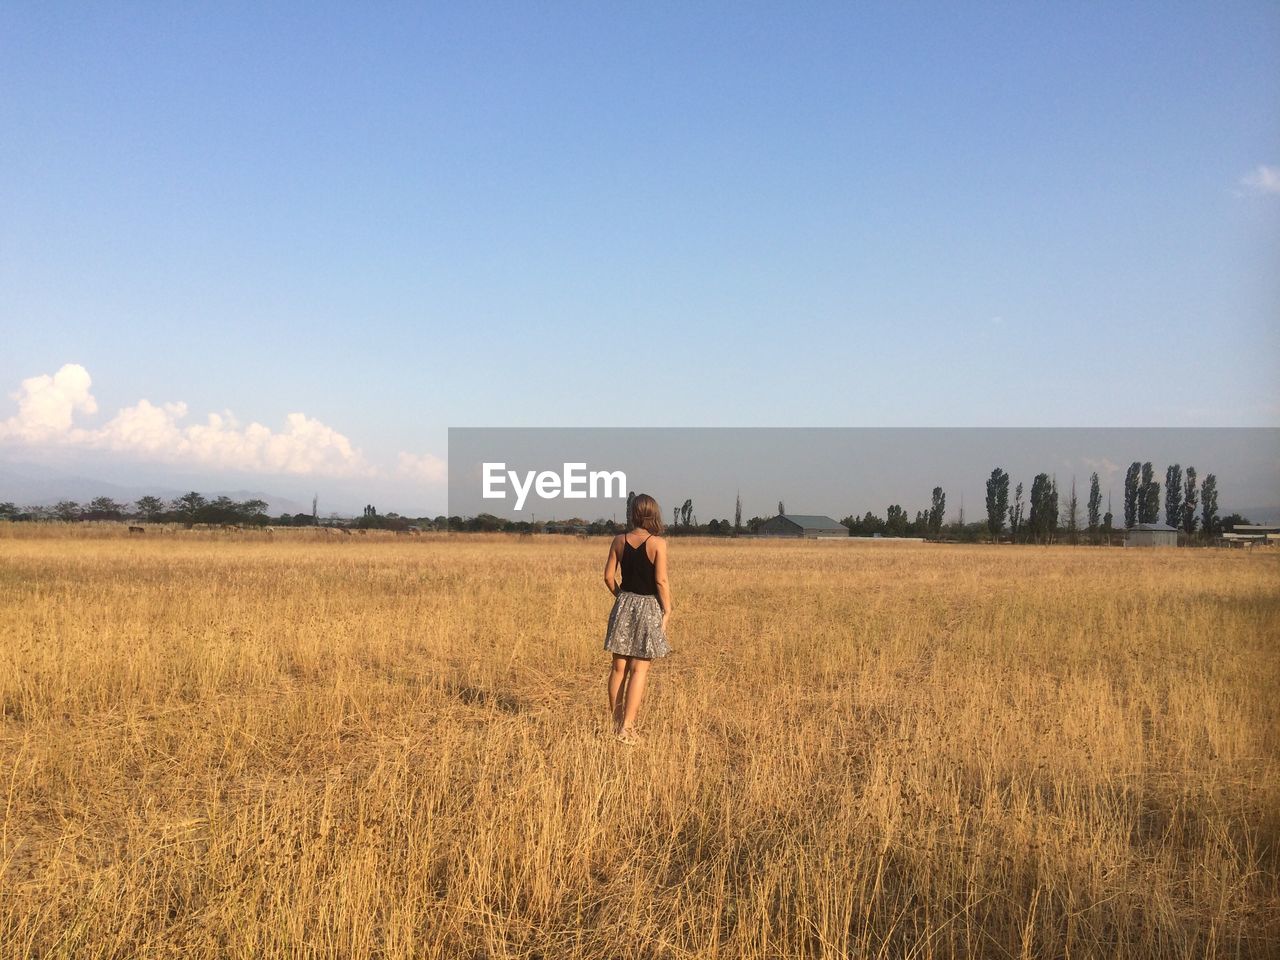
646 514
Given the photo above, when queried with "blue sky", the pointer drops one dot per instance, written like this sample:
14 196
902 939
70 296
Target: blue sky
397 219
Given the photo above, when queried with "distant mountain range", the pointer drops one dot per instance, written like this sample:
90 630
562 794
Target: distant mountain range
32 486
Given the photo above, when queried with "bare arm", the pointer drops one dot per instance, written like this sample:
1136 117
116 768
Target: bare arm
660 579
611 567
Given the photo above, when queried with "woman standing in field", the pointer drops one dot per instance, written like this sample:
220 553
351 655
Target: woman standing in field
641 608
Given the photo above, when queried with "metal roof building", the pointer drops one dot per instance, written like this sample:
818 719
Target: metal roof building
808 526
1151 535
1250 535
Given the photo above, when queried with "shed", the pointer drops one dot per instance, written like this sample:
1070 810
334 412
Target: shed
809 526
1151 535
1250 535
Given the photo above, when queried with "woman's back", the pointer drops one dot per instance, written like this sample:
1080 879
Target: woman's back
637 631
637 569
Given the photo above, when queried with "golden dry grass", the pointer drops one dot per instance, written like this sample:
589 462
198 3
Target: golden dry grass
227 746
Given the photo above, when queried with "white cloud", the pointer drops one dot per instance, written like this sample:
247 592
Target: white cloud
142 428
425 468
305 446
1103 467
1264 179
47 405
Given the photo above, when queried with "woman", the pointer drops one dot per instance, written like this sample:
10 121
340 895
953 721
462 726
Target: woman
642 606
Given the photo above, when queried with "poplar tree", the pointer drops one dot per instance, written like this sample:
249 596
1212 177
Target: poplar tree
1015 514
1044 510
1190 499
997 502
1053 508
1148 496
937 510
1153 502
1073 514
1173 495
1209 505
1095 507
1131 494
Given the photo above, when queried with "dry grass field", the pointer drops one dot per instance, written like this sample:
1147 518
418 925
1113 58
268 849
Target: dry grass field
225 745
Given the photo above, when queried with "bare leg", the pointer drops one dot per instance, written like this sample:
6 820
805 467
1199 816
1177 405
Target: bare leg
617 690
636 677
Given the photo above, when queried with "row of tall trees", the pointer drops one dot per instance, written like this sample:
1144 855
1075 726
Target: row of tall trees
1181 498
1049 518
1045 515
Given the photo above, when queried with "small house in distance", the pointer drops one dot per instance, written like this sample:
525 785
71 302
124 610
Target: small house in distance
802 525
1151 535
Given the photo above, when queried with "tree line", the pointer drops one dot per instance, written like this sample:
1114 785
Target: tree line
1045 516
1042 517
190 508
1189 507
194 507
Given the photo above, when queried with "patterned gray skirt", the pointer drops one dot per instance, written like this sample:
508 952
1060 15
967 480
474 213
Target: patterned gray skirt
635 627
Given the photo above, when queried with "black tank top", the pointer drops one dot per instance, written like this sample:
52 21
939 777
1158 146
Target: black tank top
637 569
